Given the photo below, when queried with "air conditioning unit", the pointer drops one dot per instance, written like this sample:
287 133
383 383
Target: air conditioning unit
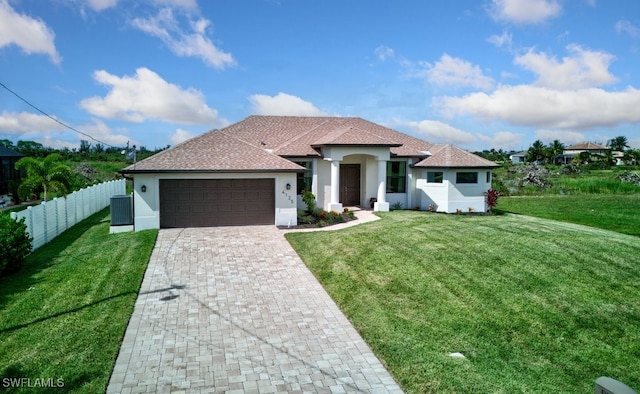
606 385
122 210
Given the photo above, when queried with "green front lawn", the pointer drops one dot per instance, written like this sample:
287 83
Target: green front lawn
64 315
616 212
535 305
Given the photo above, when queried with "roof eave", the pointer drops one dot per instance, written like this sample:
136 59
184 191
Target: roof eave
453 167
359 145
210 171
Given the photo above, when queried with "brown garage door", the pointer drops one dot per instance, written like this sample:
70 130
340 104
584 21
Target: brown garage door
216 202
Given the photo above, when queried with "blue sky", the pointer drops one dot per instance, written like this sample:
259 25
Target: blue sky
478 74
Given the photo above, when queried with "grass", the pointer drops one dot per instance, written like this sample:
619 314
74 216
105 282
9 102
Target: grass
64 314
615 212
535 305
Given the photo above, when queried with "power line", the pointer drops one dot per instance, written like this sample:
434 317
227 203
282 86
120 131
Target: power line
54 119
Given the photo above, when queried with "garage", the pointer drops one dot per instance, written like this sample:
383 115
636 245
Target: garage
216 202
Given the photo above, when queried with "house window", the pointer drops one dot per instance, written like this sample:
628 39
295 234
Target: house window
396 177
435 177
304 178
488 176
466 177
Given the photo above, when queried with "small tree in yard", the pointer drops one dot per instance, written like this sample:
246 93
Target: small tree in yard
15 244
49 174
491 198
310 200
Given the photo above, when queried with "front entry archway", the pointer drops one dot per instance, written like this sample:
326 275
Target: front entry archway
350 184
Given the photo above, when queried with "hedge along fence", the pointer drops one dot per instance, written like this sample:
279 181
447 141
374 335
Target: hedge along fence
49 219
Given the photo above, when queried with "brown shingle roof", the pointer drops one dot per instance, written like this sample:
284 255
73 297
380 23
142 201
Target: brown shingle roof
260 143
586 146
213 151
295 136
350 135
451 156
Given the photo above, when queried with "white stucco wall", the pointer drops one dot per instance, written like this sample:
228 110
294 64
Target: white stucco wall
449 196
147 204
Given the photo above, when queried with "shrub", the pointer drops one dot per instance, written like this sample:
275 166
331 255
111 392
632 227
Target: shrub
309 199
491 198
15 244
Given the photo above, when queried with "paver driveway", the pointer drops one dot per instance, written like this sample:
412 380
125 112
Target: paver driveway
234 309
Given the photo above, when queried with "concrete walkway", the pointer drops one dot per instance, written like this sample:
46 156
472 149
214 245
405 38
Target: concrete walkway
234 309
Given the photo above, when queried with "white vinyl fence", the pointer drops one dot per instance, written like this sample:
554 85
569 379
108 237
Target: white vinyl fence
49 219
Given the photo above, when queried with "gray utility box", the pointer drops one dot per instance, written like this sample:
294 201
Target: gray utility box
122 210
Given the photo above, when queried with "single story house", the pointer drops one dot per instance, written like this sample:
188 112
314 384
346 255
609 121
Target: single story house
8 172
518 157
254 171
592 148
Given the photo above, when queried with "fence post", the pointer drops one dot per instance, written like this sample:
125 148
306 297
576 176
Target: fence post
55 212
30 223
44 221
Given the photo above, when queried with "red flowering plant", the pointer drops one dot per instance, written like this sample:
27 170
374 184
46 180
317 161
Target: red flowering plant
491 198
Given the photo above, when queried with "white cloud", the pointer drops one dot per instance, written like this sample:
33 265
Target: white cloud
25 122
183 43
524 11
627 28
439 132
503 140
50 142
101 5
103 133
283 104
544 107
455 71
383 53
147 96
564 136
582 69
505 40
184 4
31 35
42 129
180 136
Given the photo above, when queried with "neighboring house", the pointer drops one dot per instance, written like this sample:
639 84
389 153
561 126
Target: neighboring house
593 149
8 172
253 172
518 158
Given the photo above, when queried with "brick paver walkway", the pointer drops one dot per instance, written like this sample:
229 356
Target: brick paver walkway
234 309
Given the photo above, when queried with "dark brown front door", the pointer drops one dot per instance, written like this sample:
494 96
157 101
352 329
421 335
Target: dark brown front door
216 202
350 184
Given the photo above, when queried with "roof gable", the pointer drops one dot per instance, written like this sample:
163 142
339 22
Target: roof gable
350 135
213 151
451 156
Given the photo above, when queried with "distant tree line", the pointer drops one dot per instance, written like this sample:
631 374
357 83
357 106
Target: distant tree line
539 152
86 151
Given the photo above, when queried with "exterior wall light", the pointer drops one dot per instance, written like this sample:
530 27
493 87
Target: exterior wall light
288 186
143 188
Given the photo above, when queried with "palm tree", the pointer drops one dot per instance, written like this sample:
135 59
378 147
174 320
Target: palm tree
555 149
618 143
46 175
537 151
